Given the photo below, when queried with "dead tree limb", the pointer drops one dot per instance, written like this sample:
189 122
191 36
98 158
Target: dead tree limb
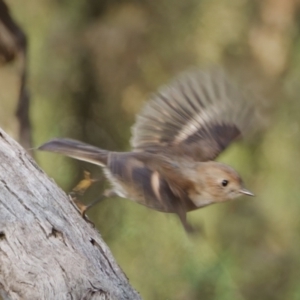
47 251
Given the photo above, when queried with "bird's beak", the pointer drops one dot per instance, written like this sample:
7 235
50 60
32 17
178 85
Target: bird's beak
246 192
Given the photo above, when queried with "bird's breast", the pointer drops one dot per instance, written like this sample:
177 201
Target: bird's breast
201 200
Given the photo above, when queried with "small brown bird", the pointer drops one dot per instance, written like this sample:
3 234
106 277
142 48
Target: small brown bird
178 134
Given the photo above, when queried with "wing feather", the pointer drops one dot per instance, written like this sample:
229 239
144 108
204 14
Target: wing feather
199 115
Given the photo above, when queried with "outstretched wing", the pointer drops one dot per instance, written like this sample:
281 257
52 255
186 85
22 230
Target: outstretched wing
198 115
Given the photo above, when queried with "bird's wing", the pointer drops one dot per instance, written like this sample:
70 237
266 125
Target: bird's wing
198 115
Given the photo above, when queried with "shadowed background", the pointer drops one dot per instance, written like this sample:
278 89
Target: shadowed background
92 65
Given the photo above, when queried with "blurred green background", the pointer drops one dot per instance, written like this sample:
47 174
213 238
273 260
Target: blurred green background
92 65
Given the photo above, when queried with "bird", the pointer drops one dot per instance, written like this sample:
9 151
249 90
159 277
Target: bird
175 141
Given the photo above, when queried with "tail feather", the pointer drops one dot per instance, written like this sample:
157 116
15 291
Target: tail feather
78 150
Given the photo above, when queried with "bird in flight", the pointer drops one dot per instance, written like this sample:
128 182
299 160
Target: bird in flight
176 138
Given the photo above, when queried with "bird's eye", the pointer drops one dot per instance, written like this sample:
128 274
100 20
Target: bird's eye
224 182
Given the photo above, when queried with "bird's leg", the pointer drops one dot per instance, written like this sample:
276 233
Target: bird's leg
186 225
182 217
106 194
80 189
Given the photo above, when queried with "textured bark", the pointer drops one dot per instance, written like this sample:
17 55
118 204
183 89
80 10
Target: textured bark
47 251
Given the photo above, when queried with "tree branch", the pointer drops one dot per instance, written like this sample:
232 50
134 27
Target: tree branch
47 251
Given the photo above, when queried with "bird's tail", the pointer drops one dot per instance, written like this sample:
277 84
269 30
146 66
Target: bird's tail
77 150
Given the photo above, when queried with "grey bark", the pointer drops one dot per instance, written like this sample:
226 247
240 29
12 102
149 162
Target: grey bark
47 251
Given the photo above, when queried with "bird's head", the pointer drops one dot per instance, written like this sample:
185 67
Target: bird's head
216 182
